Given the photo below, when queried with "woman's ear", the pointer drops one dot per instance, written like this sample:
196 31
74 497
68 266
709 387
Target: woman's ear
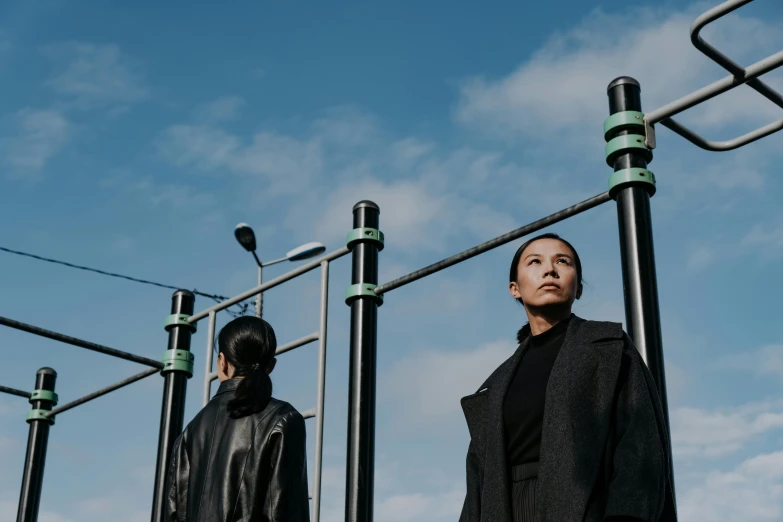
513 288
579 291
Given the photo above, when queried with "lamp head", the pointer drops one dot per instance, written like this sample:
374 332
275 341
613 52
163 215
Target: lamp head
245 236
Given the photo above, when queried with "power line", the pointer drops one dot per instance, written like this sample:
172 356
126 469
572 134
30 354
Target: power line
214 297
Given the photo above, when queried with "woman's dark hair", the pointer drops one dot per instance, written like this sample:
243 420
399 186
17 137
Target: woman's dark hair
249 344
513 272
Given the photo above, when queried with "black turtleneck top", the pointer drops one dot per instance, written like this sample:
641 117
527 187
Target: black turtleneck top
523 407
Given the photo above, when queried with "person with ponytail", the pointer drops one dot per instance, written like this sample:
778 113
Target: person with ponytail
243 456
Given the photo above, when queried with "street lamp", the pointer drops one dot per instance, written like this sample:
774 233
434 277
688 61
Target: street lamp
247 238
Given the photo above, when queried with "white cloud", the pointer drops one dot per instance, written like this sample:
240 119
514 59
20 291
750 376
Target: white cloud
418 507
436 380
40 135
703 433
766 360
767 236
753 492
287 164
95 75
224 108
562 87
700 256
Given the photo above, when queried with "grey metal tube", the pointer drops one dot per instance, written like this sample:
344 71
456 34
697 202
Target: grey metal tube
67 339
270 284
723 60
321 393
710 91
260 296
722 146
210 351
307 339
102 391
308 414
494 243
14 391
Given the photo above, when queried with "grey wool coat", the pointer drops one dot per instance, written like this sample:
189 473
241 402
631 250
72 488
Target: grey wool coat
604 444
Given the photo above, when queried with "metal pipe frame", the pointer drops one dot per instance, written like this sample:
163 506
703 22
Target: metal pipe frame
494 243
320 335
14 391
102 391
340 252
80 343
739 76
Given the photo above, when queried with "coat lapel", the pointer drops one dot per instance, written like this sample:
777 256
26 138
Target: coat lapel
577 417
484 416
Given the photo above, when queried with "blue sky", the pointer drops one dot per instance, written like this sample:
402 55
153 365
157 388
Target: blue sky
134 137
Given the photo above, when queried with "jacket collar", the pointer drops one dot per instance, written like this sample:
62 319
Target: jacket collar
229 385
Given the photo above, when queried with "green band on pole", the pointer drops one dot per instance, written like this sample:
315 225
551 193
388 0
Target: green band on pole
362 289
43 395
625 120
625 144
36 415
177 361
370 235
179 319
633 175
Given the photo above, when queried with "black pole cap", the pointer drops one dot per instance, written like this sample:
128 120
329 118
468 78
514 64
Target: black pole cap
623 80
366 203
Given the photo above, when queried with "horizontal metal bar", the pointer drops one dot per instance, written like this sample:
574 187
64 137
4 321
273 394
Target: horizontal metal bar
14 391
308 414
720 146
80 343
309 338
494 243
212 376
102 391
723 60
270 284
714 89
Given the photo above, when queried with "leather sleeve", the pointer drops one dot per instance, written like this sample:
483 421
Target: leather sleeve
177 483
637 487
471 508
288 490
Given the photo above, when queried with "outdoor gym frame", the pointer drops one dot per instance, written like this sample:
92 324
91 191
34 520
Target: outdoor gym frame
630 138
176 368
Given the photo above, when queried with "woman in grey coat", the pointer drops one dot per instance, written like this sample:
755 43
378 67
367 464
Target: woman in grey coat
570 428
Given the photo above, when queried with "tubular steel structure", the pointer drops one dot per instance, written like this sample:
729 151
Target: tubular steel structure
630 137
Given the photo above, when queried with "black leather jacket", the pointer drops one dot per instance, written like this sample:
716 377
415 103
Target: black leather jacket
230 470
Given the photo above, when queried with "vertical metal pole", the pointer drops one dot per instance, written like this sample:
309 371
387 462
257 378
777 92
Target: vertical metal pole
640 286
174 388
210 353
260 296
361 388
37 439
319 406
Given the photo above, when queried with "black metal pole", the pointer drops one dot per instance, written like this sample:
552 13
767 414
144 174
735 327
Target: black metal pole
632 187
42 399
360 472
178 368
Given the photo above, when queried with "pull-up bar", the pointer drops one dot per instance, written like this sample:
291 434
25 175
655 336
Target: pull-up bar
494 243
14 391
80 343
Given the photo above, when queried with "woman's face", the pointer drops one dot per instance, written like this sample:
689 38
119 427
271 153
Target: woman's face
546 275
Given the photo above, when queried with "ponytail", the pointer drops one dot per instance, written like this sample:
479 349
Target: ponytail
252 394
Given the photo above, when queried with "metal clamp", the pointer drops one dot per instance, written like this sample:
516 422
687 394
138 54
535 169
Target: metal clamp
632 175
353 292
38 415
626 120
43 395
178 360
625 144
179 319
371 235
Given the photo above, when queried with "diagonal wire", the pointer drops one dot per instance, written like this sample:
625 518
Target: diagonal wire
216 298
